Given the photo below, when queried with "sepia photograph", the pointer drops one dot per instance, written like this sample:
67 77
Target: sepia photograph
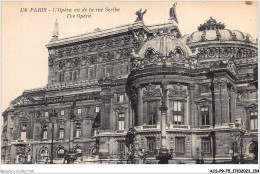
91 83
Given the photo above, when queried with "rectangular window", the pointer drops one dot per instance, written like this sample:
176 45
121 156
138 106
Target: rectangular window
177 106
78 130
180 145
121 125
87 73
46 114
60 77
151 112
97 109
121 98
23 136
75 75
70 76
78 77
91 73
151 144
79 111
254 120
121 122
177 112
108 71
204 115
45 130
121 147
254 124
62 112
205 145
61 133
177 119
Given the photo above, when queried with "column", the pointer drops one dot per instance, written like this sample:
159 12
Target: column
233 104
71 131
159 112
112 115
144 112
130 115
217 103
140 105
167 121
192 119
224 102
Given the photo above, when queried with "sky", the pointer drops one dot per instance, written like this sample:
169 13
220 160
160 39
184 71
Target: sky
25 34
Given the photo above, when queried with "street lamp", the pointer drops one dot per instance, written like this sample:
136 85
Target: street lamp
52 118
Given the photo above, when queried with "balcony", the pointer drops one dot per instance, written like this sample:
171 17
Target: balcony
148 127
177 126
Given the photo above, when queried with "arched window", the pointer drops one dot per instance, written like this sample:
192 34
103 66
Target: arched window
60 153
44 153
179 53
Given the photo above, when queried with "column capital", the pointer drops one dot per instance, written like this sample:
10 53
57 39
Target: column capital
191 87
163 108
165 83
136 85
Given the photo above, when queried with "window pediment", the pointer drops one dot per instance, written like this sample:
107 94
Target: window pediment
177 91
152 91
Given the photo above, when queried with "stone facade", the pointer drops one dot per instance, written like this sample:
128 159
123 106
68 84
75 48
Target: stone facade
123 75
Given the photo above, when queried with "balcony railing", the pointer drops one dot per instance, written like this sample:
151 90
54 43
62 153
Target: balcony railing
155 126
177 126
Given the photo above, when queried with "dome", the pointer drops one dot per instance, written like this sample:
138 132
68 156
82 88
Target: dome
164 50
211 30
164 45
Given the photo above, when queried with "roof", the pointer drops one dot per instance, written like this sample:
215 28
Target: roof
107 32
97 34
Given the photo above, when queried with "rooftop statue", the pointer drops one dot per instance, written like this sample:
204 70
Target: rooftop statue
140 15
173 13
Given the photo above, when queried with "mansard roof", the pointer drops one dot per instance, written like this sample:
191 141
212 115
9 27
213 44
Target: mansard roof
109 32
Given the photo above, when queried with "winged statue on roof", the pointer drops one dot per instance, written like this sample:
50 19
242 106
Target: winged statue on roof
173 15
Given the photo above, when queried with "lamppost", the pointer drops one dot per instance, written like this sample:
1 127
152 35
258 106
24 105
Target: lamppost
164 154
52 118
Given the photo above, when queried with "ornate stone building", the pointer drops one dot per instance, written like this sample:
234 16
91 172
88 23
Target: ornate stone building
119 79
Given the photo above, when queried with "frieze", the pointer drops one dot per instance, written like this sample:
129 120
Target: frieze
99 57
120 109
226 52
203 101
96 45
